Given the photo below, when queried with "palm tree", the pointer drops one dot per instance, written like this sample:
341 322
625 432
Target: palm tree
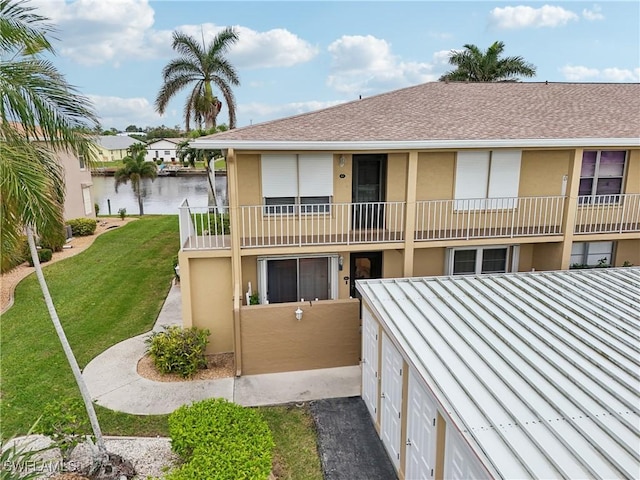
37 103
201 65
473 65
135 169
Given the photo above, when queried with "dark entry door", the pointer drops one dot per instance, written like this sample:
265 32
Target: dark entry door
364 265
368 188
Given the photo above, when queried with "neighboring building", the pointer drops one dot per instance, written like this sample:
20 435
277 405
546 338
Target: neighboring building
163 149
78 201
113 147
436 179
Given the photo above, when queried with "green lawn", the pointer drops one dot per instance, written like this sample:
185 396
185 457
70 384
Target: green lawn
112 291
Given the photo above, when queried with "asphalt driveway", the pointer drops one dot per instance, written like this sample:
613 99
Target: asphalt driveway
349 446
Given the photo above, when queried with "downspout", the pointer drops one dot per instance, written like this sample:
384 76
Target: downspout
236 259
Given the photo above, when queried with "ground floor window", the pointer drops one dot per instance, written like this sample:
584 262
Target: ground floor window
591 254
479 260
292 279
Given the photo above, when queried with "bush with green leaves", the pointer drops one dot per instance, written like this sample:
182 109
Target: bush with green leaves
66 422
220 440
44 255
178 350
122 212
81 227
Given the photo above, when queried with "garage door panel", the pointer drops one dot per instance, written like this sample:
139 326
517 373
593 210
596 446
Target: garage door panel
421 431
391 400
370 363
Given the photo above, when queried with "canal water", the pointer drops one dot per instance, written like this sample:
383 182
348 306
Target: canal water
162 196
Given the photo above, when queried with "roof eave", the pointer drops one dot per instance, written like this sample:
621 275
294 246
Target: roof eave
213 144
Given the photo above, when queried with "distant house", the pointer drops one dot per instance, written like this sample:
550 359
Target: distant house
163 149
112 147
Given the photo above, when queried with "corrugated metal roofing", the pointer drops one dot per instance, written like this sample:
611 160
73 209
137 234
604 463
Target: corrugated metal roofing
540 371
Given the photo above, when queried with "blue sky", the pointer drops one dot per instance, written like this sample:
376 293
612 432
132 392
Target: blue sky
297 56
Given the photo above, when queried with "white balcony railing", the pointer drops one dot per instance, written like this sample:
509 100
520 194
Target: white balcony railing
488 218
204 228
320 224
608 214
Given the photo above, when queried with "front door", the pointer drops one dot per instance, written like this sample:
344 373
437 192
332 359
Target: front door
364 265
369 178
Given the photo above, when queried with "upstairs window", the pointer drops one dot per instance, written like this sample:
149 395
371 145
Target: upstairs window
83 164
291 182
487 179
602 174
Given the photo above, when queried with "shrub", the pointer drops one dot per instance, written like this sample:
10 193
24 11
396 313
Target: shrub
81 227
96 207
44 255
14 255
122 212
178 350
66 423
220 440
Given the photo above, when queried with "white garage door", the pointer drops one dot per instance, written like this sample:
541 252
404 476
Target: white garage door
391 400
370 363
421 431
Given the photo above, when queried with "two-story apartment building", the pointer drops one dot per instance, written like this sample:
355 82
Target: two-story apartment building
114 147
436 179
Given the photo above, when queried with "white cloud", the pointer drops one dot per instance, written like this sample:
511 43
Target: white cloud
259 112
578 73
365 64
594 14
442 57
523 16
119 112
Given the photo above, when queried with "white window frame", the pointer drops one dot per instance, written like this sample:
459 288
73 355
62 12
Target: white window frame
588 199
498 190
263 279
584 254
512 262
307 181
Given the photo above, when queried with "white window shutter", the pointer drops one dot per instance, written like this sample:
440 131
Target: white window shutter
504 180
279 175
315 174
472 173
86 198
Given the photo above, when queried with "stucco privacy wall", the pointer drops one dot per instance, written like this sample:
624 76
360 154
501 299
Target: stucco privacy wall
428 262
627 251
211 299
547 256
328 335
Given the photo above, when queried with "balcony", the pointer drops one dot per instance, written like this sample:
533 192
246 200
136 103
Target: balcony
264 226
488 218
608 214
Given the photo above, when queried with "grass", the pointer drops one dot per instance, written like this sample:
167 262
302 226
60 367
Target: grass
112 291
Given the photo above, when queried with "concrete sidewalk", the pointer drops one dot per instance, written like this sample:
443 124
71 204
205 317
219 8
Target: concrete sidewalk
114 383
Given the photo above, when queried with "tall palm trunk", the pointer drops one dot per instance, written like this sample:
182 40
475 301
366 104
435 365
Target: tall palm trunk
95 426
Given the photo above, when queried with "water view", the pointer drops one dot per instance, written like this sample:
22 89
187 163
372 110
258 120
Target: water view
162 196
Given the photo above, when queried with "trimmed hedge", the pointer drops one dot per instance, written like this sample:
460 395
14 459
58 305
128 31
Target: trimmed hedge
44 255
178 350
220 440
81 227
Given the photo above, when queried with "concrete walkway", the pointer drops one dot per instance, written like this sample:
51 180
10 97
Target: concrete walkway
114 383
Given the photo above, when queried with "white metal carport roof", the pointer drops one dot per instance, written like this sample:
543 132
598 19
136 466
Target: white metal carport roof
539 371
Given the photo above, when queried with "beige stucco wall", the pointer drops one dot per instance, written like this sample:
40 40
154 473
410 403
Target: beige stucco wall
274 341
392 263
633 172
627 251
249 181
211 298
75 180
436 173
428 262
396 177
547 256
525 263
541 172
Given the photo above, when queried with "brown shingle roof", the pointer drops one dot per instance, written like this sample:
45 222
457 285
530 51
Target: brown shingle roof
464 111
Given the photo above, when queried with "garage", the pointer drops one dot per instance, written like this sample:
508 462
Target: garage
524 375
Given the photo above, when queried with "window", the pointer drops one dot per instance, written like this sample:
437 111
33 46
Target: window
167 153
83 164
290 181
602 174
482 175
591 254
292 279
474 261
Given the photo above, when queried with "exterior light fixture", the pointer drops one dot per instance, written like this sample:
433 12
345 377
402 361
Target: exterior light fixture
299 314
